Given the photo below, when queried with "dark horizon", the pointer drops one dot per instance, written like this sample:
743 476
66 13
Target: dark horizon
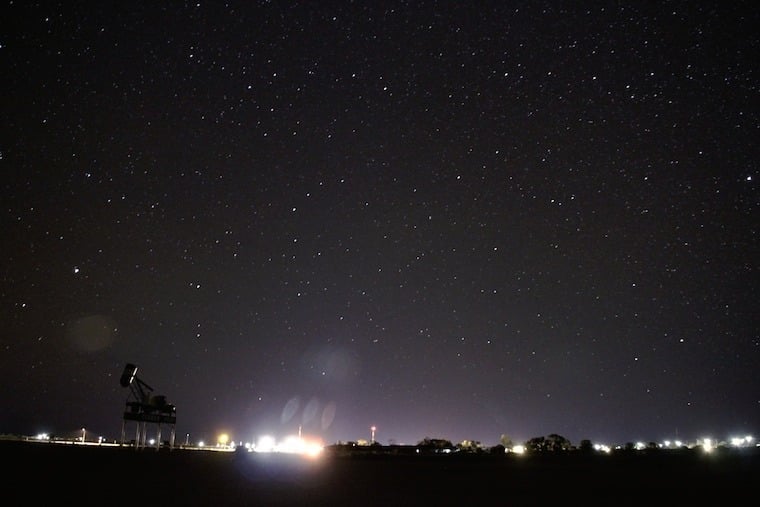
76 476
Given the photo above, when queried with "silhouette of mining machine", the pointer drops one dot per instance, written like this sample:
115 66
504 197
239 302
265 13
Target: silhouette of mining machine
143 408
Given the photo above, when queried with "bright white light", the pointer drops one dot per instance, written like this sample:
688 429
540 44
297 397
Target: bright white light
265 444
518 449
602 448
291 444
742 441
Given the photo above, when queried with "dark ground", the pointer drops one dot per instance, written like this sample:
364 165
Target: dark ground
67 474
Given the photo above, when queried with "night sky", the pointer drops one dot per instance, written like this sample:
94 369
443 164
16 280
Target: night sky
447 219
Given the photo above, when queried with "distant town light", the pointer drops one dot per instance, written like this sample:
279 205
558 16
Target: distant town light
744 441
602 448
265 444
291 444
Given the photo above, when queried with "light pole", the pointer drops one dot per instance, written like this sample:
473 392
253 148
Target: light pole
84 433
372 439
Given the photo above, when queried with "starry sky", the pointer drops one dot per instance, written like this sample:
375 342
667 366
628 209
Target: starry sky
453 220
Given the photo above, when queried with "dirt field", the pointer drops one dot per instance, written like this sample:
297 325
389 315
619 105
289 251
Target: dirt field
50 474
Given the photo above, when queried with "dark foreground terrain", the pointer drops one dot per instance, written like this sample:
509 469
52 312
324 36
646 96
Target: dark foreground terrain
71 475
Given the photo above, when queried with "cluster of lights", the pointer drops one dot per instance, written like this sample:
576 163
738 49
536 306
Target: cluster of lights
291 444
745 441
603 448
707 444
296 444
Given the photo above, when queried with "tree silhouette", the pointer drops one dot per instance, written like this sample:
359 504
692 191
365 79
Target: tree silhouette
550 443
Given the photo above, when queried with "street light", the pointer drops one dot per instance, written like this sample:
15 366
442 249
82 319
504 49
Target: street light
83 434
372 440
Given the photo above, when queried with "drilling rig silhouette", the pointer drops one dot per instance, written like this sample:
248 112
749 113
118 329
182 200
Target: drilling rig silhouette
143 408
